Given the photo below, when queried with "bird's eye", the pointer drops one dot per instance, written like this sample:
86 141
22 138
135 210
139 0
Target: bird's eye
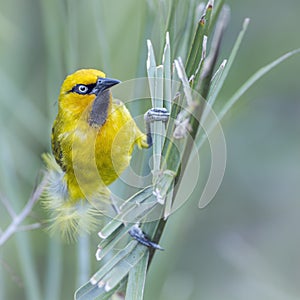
82 89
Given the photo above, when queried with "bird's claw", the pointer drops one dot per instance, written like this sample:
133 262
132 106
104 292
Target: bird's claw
153 115
137 233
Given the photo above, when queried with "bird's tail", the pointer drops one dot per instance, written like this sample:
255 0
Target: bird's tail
66 217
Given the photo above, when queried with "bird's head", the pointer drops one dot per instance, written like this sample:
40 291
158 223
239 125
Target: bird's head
82 88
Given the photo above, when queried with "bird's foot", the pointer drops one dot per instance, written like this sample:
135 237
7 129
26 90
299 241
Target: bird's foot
137 233
153 115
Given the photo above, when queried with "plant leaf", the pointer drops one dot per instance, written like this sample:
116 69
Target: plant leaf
230 61
136 279
255 77
237 95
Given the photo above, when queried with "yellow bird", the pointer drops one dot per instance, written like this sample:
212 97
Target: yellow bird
93 137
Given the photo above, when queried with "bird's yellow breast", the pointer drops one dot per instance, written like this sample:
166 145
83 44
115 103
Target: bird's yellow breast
95 157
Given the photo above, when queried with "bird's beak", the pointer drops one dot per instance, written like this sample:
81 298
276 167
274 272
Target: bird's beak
104 84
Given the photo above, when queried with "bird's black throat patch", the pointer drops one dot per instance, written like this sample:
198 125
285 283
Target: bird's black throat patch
99 112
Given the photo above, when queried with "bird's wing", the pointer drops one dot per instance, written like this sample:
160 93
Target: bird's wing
56 148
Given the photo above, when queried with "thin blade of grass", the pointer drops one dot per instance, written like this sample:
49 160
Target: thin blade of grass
114 224
171 23
89 291
167 73
155 78
151 70
200 55
204 200
154 231
237 95
198 71
139 197
209 63
109 244
184 79
197 43
112 262
136 214
203 88
183 45
215 14
124 266
215 80
136 279
230 61
169 202
132 215
255 77
83 292
158 126
110 228
202 30
170 150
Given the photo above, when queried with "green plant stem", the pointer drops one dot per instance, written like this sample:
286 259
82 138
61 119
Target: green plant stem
203 89
156 238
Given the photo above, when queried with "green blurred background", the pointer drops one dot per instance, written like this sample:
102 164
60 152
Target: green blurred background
245 244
